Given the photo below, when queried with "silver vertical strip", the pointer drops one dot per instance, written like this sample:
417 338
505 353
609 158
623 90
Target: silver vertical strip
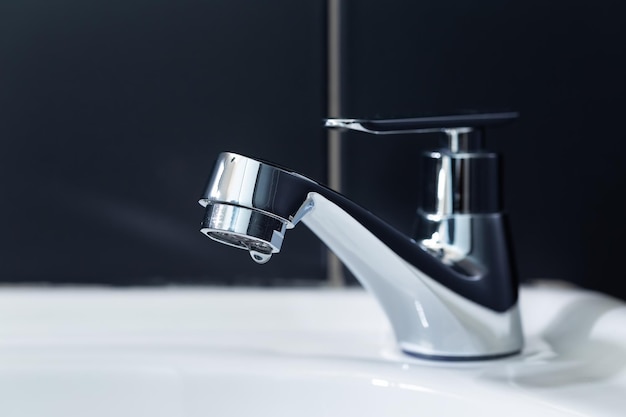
334 271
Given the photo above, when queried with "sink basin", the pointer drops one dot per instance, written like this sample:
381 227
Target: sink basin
286 352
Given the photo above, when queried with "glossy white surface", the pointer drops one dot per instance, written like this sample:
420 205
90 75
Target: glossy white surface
200 352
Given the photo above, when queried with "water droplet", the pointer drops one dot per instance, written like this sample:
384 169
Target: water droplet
259 257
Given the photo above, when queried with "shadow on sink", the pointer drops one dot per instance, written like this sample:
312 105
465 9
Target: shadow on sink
581 345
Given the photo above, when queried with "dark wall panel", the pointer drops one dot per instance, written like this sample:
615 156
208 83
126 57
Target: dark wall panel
111 114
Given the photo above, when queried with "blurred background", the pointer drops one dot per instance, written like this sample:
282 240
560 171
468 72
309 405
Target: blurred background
112 113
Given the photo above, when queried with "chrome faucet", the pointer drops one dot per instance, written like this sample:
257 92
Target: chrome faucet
450 292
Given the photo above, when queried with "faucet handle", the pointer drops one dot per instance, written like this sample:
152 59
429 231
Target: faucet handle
422 124
458 128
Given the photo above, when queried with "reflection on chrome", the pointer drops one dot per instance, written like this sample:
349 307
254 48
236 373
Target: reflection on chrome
421 314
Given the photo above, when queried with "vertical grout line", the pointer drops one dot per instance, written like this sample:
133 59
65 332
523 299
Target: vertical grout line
334 267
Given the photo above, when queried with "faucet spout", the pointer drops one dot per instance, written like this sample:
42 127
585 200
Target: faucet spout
449 307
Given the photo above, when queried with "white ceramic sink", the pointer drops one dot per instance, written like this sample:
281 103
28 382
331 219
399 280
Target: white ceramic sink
291 352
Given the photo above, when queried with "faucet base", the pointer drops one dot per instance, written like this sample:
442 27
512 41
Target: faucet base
461 358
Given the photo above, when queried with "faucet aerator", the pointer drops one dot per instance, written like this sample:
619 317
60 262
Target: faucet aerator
244 228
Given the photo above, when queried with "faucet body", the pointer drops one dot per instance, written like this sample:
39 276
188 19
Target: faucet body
450 293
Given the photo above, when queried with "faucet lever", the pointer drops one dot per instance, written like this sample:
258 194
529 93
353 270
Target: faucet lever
427 124
463 131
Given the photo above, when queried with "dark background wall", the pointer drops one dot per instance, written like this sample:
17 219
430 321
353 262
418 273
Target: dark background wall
111 114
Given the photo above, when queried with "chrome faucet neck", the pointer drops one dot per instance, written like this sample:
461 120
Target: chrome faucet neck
444 301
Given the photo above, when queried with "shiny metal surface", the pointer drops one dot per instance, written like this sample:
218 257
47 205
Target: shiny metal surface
245 182
244 228
457 241
460 139
360 126
443 298
460 123
460 182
